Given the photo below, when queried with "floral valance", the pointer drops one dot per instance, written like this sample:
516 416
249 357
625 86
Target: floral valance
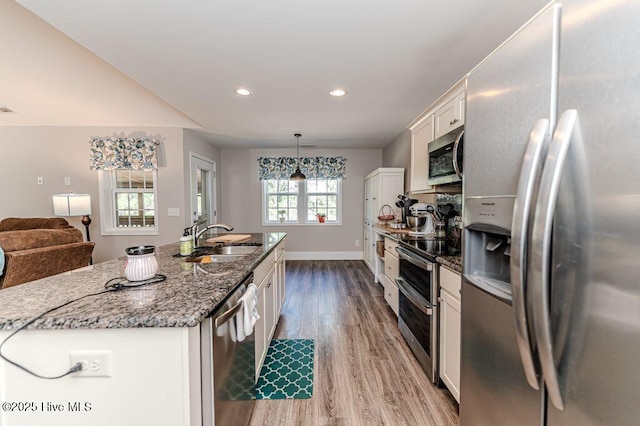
116 153
312 167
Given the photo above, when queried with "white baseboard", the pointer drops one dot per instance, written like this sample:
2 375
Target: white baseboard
324 255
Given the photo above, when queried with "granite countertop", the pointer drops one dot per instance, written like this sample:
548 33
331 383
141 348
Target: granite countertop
452 262
190 293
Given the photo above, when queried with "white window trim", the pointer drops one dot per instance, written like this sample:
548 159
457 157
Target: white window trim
302 208
107 207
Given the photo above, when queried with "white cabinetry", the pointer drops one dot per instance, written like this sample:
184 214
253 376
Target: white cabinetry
421 135
442 117
369 245
269 276
391 266
450 308
382 186
451 115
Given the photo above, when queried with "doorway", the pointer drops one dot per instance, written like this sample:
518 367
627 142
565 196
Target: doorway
203 188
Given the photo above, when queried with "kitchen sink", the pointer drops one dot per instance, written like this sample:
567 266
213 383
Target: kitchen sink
223 253
234 250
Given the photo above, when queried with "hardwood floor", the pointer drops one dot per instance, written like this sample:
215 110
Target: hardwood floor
364 372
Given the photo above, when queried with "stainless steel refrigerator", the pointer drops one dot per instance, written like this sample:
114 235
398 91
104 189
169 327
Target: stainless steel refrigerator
551 287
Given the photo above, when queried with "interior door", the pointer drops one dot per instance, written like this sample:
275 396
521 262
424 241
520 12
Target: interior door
203 175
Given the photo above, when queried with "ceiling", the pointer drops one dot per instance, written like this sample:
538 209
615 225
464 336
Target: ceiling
394 58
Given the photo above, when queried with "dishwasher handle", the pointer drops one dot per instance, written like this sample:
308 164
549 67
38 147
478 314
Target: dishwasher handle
225 317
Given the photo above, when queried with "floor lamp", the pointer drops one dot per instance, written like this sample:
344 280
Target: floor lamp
69 205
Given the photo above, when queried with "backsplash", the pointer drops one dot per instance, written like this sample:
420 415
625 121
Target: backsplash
454 225
455 199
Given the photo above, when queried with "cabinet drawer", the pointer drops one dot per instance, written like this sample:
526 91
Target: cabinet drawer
262 270
391 294
450 281
390 245
450 116
391 265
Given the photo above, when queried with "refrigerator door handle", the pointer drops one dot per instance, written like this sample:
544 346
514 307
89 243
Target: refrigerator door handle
456 147
533 155
565 132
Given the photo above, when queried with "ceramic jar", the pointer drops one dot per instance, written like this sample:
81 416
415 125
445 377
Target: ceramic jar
141 263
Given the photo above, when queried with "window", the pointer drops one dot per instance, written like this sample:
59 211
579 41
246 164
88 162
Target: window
128 202
298 202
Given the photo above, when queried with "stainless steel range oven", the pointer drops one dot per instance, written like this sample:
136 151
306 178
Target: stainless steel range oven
418 309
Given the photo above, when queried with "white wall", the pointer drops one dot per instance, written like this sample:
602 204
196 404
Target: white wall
50 80
242 198
398 154
53 153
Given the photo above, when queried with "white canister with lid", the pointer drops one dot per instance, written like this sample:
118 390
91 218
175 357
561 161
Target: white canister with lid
141 263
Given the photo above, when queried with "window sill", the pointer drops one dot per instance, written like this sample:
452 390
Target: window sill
302 224
133 232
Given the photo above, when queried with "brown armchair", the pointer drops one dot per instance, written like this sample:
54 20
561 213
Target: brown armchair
36 248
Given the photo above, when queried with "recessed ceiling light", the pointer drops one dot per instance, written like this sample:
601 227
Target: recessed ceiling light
337 92
243 91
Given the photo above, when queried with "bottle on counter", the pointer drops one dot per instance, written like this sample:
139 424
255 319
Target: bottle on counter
186 244
440 231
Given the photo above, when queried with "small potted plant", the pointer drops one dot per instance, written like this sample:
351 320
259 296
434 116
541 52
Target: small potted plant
321 217
283 215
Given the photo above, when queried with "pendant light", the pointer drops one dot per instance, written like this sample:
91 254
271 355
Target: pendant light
297 175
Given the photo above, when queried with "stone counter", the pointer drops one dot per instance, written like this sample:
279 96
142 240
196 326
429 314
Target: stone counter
190 293
402 235
452 262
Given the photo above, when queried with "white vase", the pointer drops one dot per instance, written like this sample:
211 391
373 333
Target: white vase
141 263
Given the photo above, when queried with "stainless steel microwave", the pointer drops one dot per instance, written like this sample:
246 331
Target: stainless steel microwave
445 158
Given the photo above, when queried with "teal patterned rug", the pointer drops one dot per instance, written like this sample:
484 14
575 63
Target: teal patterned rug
287 372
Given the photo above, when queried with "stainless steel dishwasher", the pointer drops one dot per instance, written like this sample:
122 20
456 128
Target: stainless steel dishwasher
228 366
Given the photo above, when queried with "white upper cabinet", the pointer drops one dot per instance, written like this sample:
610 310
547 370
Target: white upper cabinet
382 186
450 116
421 135
445 115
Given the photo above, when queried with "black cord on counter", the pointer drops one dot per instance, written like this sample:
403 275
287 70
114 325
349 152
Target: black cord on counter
114 284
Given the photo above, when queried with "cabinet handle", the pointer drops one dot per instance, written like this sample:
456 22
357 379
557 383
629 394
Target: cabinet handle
440 299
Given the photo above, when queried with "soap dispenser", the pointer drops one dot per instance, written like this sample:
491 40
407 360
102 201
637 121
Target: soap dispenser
186 243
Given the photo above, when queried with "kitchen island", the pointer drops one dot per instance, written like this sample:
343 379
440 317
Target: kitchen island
151 334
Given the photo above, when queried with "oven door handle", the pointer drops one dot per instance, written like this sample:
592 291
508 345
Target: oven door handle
408 256
414 297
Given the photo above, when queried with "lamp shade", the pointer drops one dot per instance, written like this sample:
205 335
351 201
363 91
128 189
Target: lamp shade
71 204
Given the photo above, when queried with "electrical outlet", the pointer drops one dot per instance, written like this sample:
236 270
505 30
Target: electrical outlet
357 243
94 363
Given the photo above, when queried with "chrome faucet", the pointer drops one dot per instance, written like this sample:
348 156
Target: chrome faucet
194 229
198 233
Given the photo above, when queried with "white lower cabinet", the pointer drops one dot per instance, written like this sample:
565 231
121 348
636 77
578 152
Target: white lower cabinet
391 294
281 284
391 266
271 295
450 309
